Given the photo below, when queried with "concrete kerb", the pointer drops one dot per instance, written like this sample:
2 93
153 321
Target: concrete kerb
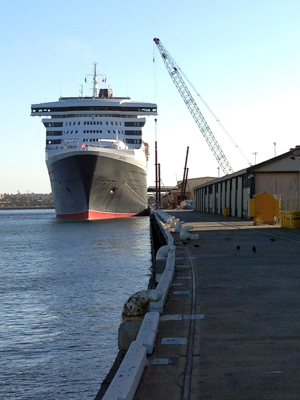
165 281
126 380
161 259
168 273
148 331
162 218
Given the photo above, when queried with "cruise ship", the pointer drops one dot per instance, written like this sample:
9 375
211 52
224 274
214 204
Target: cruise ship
95 154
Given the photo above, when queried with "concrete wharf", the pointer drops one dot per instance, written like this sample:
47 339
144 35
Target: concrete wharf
230 328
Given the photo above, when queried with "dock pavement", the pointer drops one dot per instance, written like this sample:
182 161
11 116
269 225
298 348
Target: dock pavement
230 329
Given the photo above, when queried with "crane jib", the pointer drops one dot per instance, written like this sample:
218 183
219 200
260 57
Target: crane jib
193 108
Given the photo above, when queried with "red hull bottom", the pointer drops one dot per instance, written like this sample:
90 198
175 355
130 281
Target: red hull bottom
85 215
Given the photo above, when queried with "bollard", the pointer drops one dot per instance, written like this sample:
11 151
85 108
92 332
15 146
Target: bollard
174 222
178 226
163 251
186 234
136 306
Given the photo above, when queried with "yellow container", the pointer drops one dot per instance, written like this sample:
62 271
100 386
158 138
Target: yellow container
290 220
263 208
251 208
296 220
225 211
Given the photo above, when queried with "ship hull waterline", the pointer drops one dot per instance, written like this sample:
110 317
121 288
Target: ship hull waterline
97 185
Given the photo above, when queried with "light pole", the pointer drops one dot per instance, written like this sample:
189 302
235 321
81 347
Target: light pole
255 154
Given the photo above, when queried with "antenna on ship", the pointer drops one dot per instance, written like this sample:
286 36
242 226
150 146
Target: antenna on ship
95 89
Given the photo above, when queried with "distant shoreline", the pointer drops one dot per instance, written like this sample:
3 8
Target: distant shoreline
26 208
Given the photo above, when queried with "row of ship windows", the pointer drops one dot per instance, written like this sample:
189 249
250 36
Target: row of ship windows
99 108
72 116
58 141
131 141
59 133
60 124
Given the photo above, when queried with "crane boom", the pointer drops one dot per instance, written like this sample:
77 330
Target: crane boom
193 108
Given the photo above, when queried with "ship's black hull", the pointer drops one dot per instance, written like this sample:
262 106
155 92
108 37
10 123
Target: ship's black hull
91 185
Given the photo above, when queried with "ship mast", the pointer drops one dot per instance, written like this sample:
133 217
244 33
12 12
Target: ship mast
95 89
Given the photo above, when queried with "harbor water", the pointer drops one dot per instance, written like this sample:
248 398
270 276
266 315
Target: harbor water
62 289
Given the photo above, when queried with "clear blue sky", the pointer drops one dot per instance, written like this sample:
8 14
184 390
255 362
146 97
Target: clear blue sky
242 56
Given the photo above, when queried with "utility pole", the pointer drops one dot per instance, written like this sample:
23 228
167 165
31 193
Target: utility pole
185 174
255 154
156 168
159 188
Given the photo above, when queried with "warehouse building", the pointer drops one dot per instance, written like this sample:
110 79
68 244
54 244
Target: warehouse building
230 194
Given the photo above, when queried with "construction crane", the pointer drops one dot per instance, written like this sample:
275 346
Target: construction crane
193 108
